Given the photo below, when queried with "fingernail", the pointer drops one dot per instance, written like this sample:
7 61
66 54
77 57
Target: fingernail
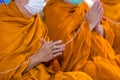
60 53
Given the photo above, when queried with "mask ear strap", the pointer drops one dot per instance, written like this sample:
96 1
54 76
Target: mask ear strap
89 2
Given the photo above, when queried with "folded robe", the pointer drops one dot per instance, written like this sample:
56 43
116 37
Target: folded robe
112 12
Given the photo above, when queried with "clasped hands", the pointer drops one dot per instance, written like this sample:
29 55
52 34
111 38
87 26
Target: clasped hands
94 17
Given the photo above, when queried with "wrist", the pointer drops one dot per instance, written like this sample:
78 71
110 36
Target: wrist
91 26
36 58
34 61
99 29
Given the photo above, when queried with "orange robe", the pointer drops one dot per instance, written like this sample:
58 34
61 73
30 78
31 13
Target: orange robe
112 12
19 39
116 44
88 52
111 9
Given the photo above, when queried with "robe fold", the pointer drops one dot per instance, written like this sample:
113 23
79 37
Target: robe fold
112 12
19 39
116 45
88 51
111 9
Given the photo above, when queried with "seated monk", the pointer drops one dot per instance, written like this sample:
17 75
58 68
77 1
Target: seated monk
22 55
88 38
112 12
116 45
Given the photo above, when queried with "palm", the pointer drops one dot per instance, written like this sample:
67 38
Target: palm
94 15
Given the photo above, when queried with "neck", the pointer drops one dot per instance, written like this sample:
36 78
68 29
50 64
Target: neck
22 9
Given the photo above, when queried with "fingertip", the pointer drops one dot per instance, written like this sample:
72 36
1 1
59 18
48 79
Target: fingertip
60 53
42 39
51 41
60 40
64 45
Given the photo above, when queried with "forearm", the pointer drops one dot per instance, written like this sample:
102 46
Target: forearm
100 30
34 61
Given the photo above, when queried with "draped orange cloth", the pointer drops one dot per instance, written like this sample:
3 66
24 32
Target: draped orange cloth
63 22
116 44
112 2
111 9
89 51
19 39
112 12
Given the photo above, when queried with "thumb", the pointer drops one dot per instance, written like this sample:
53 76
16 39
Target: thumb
43 41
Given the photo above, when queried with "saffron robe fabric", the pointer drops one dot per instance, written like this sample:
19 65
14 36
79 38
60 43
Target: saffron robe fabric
111 9
19 39
89 51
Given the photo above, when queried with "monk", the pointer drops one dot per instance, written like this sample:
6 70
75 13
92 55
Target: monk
88 38
22 55
112 12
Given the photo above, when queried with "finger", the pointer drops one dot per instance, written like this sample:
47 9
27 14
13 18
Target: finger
58 47
100 14
49 43
56 43
58 50
87 14
91 9
97 6
43 41
57 54
99 9
95 3
94 7
102 11
100 17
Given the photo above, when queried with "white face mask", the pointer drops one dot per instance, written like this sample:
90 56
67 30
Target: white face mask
35 6
89 2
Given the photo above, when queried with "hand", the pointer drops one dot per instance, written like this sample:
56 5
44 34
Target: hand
50 50
98 27
100 30
94 15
